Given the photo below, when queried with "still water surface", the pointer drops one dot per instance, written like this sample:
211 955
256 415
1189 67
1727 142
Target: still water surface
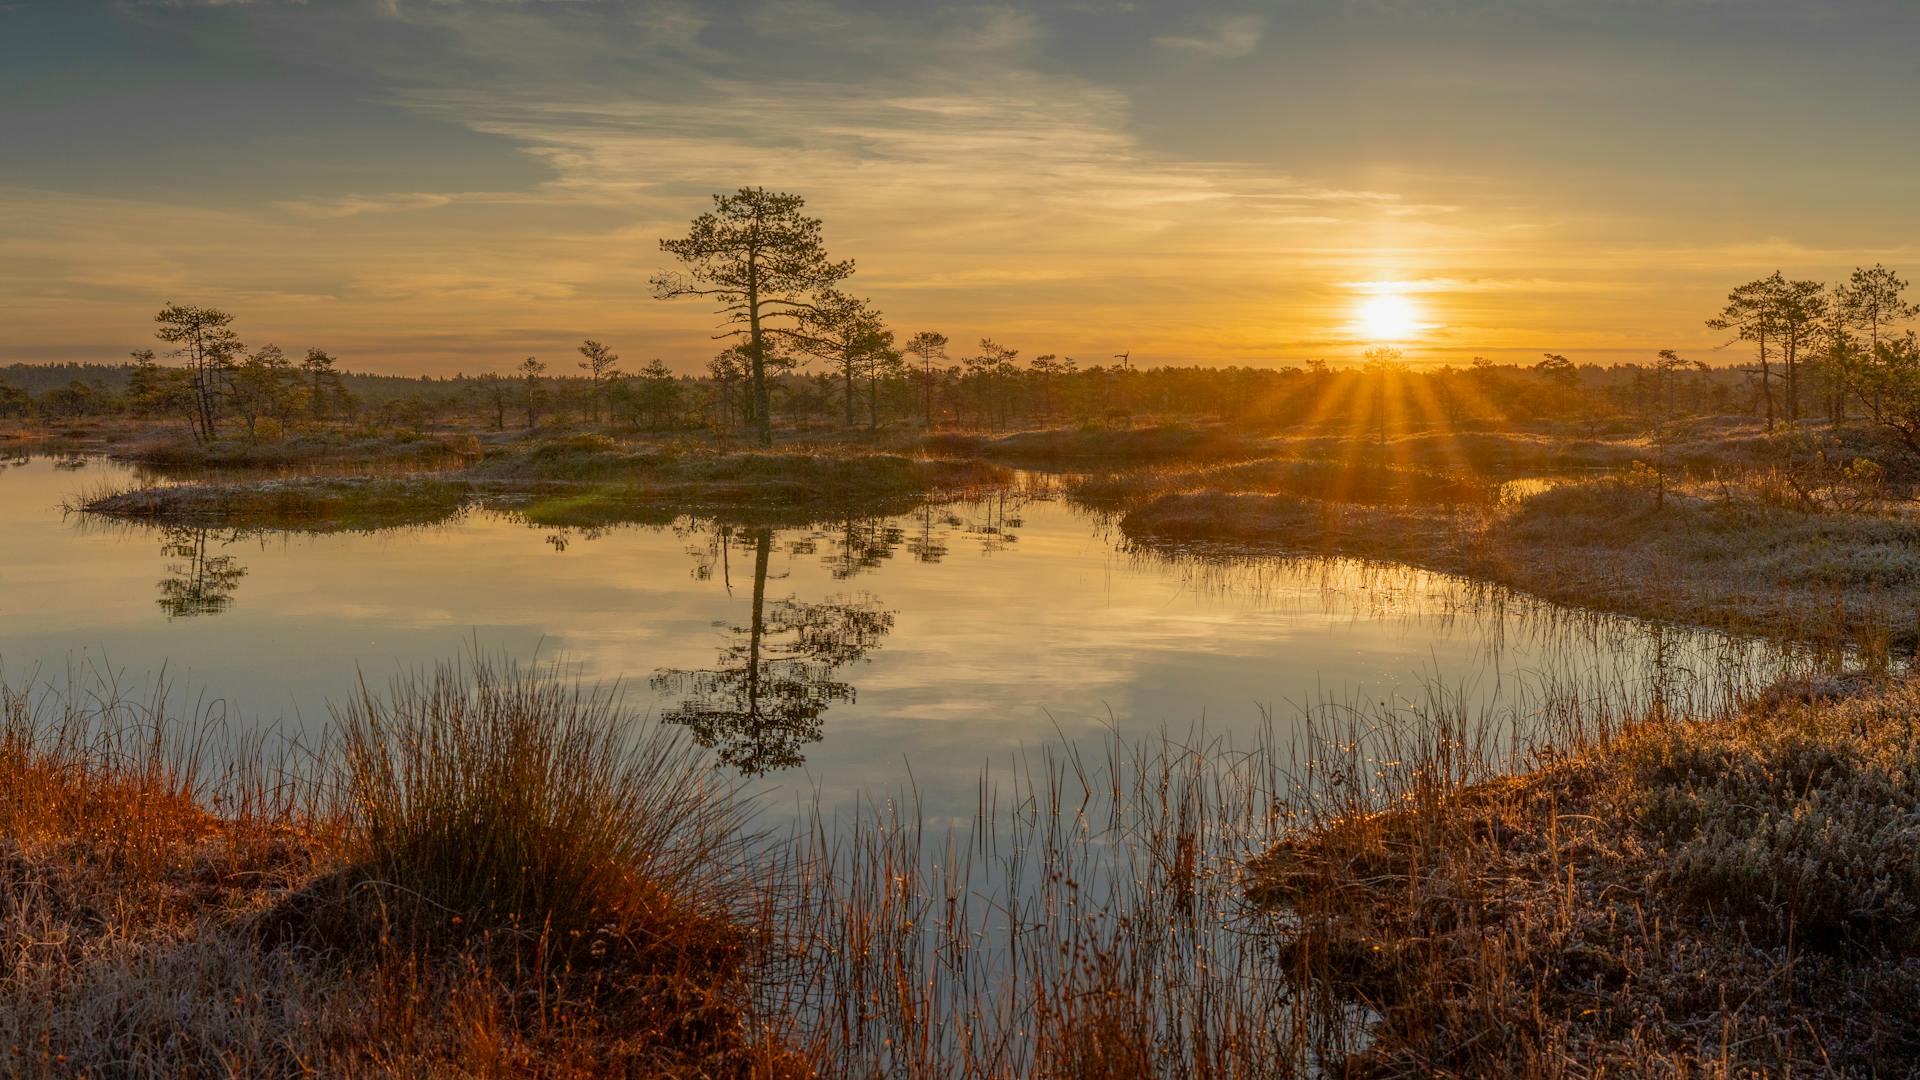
924 646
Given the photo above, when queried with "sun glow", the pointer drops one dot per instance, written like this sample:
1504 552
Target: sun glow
1386 317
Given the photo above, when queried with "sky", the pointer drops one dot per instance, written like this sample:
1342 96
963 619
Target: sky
441 186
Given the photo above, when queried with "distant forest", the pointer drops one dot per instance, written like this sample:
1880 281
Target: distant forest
807 356
1000 394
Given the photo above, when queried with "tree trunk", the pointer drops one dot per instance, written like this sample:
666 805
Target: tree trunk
756 627
846 370
1766 381
757 361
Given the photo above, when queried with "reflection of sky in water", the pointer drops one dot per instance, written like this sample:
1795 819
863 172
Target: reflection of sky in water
1001 644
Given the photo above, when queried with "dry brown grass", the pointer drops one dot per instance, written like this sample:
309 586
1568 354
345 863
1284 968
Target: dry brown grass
163 916
1726 896
583 480
1350 481
513 876
358 503
1719 554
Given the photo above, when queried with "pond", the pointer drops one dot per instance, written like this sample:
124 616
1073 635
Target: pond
849 658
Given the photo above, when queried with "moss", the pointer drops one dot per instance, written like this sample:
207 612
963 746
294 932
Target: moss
581 480
310 505
1800 822
1734 896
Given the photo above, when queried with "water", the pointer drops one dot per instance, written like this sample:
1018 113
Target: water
895 651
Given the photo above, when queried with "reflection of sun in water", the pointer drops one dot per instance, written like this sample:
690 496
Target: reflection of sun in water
1387 317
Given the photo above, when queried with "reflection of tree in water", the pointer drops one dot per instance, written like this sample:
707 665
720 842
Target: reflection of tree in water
993 520
198 581
776 675
925 544
861 544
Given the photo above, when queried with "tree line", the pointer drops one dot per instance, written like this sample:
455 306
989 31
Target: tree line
798 348
1827 351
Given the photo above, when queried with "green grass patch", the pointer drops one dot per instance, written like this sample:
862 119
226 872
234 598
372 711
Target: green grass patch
305 505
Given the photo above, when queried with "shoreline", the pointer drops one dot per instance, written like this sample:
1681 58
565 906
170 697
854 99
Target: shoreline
1728 564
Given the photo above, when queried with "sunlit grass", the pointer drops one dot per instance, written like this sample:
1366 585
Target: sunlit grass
502 867
1726 555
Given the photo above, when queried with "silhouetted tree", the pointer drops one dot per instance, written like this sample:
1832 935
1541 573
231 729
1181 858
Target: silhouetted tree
601 366
658 393
762 261
1558 370
991 366
1752 313
496 393
15 402
326 392
530 371
265 384
1382 367
1662 418
153 390
1868 304
1873 300
880 364
1047 370
1895 375
847 332
205 340
1799 307
927 346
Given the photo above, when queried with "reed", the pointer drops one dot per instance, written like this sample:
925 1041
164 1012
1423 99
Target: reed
495 870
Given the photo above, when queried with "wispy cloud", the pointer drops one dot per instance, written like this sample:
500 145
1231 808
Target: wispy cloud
1219 35
980 191
355 205
985 186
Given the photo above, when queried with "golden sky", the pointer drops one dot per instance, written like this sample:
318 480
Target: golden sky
431 186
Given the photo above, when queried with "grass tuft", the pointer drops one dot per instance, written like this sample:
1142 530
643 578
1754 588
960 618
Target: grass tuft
513 797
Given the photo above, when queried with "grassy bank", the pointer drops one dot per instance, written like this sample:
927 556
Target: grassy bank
496 876
320 451
577 481
492 873
1365 482
502 874
1732 896
614 473
1081 446
305 505
1718 556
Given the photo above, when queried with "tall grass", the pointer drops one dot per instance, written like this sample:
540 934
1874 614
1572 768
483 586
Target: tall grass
490 872
1085 923
560 847
1109 913
508 794
129 830
496 870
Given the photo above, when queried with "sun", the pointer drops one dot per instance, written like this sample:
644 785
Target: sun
1387 317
